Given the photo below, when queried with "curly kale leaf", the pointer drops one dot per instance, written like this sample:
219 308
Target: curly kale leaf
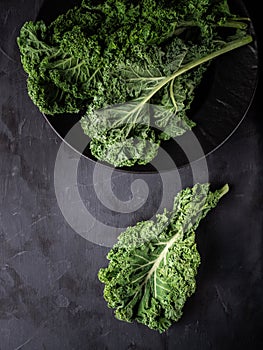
153 265
123 134
161 102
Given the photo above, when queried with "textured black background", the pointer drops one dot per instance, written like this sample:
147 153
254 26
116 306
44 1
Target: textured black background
50 297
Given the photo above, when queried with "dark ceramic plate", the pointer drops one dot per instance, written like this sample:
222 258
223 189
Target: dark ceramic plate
221 102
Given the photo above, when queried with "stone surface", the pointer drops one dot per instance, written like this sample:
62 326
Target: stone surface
50 297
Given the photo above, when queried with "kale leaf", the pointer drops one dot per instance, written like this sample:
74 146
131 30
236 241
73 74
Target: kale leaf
160 102
153 265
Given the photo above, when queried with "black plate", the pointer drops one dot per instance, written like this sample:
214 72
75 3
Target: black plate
221 102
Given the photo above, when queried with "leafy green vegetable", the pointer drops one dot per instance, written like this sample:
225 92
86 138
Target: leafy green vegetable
153 265
118 132
131 66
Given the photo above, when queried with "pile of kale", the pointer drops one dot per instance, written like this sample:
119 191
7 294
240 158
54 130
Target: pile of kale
132 66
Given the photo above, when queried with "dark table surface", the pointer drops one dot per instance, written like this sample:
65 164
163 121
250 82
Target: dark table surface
50 297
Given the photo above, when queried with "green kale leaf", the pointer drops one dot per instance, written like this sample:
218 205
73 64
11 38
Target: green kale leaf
153 265
160 102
